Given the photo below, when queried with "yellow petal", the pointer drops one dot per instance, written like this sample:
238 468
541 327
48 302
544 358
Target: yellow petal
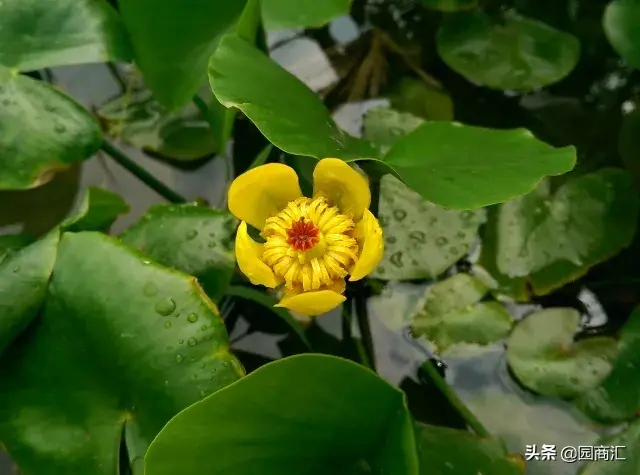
263 192
248 254
342 186
371 242
312 303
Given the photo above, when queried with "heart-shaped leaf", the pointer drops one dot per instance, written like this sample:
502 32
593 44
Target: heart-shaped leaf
437 159
449 451
42 131
36 34
454 314
280 14
545 358
141 121
555 237
312 414
620 23
194 239
521 53
173 50
615 454
618 397
24 279
97 212
125 341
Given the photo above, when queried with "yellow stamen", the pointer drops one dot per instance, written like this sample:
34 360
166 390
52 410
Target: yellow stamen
309 245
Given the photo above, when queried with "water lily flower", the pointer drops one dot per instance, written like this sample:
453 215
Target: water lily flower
312 244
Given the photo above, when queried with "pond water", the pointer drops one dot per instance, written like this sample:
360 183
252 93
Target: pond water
479 375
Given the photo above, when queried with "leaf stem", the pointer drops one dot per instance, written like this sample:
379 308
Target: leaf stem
359 299
117 77
453 398
142 174
347 335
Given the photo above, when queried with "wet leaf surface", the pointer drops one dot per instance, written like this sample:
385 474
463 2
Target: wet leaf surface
542 353
97 211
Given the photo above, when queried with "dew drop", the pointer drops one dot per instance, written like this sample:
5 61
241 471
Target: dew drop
6 102
192 342
203 393
461 235
399 214
381 270
212 244
16 269
453 250
166 383
384 221
203 365
150 289
226 364
203 327
418 236
391 239
179 358
441 241
165 306
180 342
192 234
466 215
396 259
167 324
192 318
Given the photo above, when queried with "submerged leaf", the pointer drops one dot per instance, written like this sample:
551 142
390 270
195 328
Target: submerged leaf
543 355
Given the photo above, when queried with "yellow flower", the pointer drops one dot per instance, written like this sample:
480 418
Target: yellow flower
312 244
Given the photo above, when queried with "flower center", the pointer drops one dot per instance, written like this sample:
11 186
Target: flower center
303 235
309 245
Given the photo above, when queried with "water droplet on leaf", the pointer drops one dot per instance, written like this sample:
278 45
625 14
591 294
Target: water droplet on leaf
418 236
179 358
192 234
165 307
212 244
150 289
396 259
441 241
192 341
16 269
167 324
391 239
399 214
192 318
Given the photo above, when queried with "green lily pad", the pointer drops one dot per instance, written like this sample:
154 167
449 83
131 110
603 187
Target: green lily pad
543 355
618 397
385 126
453 314
422 240
620 24
521 53
281 14
312 414
43 131
450 5
173 50
36 34
125 341
194 239
417 98
140 120
454 452
24 279
556 236
616 454
97 212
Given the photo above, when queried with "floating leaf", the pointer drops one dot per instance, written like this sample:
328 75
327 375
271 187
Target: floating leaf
384 126
450 5
521 53
296 122
120 344
437 159
37 34
173 50
622 457
194 239
24 278
422 240
558 235
417 98
545 358
281 14
141 121
620 23
449 451
454 314
312 414
42 131
97 212
618 397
